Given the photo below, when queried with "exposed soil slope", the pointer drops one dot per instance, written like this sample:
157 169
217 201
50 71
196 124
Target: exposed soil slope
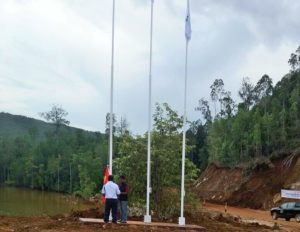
256 188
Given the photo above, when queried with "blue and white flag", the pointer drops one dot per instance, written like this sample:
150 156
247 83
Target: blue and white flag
188 27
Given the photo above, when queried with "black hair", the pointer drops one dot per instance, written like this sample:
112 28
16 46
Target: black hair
110 178
122 177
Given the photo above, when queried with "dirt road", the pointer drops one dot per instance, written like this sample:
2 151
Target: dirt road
251 214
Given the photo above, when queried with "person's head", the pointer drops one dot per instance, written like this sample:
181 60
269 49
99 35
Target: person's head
110 178
122 179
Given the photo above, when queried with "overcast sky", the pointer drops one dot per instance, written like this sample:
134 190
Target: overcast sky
58 51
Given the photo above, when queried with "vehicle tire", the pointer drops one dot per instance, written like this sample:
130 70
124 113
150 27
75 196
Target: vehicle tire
287 219
274 216
297 217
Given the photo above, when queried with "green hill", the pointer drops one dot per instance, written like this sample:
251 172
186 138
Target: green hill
13 126
37 154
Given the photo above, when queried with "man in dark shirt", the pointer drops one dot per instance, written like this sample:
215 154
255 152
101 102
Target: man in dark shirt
123 199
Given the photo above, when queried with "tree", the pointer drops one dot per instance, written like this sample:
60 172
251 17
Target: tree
165 162
204 108
294 60
123 126
263 88
228 105
216 93
246 93
107 124
57 115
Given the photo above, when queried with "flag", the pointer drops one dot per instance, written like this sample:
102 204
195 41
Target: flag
188 27
105 180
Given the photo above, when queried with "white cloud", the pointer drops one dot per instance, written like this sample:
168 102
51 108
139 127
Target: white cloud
59 51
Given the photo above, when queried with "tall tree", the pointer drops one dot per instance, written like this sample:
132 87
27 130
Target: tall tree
204 108
107 124
294 60
57 115
216 93
228 105
246 93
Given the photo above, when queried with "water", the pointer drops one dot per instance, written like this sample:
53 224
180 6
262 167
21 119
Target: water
27 202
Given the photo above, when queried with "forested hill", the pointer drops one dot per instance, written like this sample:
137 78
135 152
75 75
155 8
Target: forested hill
50 156
13 126
264 124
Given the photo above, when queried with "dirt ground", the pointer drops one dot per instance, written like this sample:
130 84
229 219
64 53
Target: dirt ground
260 216
210 220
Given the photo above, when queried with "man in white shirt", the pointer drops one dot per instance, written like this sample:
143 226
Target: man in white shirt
111 191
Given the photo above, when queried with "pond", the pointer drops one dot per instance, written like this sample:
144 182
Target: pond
27 202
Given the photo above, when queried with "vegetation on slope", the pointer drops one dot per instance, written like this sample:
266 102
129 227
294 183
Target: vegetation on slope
266 121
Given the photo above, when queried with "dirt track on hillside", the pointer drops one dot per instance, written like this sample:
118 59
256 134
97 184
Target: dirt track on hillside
257 215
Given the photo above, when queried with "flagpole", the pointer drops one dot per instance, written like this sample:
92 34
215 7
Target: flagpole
147 217
181 220
111 91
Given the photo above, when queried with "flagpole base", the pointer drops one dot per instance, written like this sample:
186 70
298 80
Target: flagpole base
147 218
181 221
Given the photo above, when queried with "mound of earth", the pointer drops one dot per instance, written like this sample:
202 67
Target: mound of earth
257 188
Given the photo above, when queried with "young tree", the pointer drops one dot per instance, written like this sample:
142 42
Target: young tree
165 162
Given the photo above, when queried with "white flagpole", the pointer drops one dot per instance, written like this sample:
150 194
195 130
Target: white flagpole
111 92
181 220
147 217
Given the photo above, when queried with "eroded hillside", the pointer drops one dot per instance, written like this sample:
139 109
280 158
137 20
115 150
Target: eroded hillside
258 187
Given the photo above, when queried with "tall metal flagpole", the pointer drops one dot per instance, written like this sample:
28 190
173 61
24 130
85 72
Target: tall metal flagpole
147 217
111 92
181 220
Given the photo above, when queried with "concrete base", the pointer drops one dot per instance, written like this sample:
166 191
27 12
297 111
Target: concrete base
152 226
147 218
181 221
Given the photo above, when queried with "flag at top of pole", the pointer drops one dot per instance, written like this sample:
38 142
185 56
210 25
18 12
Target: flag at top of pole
188 27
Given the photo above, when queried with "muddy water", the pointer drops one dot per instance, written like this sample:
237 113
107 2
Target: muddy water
27 202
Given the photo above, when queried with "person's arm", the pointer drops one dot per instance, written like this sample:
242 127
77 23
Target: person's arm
103 190
118 190
126 191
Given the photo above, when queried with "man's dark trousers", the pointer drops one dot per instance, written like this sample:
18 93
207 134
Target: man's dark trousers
111 204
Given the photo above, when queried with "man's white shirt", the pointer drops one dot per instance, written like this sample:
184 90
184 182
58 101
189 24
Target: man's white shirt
111 190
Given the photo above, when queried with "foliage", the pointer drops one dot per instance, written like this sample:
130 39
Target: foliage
267 120
56 116
68 160
165 163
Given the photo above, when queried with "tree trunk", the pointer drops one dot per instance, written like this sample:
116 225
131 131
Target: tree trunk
70 169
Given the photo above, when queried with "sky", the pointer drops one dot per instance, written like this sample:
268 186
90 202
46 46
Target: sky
59 52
